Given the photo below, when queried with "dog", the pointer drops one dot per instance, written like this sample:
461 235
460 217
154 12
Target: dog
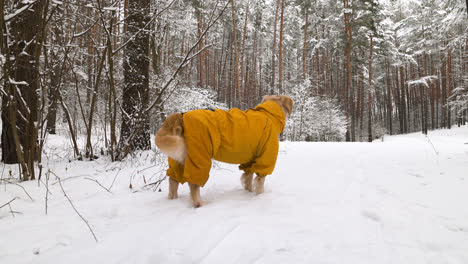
249 138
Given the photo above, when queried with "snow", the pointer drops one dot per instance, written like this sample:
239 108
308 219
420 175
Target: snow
400 200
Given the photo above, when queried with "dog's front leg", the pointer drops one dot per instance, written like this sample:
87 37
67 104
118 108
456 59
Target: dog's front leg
246 181
195 195
258 184
173 186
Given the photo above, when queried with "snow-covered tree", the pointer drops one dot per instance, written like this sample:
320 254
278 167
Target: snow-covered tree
315 118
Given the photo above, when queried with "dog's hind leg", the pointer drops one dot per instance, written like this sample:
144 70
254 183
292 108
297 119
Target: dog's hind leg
195 195
173 186
258 184
246 181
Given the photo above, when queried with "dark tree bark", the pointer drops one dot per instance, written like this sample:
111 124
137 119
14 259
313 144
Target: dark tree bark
369 102
349 87
135 133
20 100
52 92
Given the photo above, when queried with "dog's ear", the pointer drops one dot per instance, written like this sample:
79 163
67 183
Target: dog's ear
287 103
284 101
173 125
270 98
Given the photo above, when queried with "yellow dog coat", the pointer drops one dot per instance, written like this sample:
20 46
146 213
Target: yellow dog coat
248 138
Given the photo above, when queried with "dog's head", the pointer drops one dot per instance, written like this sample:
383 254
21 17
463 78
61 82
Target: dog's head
284 101
174 125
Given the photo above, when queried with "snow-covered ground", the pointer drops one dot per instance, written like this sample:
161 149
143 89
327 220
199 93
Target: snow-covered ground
403 200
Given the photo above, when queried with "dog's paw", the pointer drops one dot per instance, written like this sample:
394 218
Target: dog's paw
246 181
197 204
248 188
172 196
259 190
258 184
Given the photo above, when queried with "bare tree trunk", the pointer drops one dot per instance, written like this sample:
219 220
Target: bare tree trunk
243 80
200 46
369 102
89 147
280 51
403 101
444 92
304 49
349 38
273 50
239 98
21 75
449 88
136 80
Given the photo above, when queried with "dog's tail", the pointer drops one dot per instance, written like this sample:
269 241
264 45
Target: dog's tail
173 146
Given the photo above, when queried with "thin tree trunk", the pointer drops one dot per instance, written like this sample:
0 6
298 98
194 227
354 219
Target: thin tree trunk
349 38
369 102
273 50
280 51
449 88
239 98
244 83
304 49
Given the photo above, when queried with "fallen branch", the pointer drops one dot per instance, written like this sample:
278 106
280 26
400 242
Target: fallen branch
433 147
115 177
13 212
96 181
74 208
19 185
8 203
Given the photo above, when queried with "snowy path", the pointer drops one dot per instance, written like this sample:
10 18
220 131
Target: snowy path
398 201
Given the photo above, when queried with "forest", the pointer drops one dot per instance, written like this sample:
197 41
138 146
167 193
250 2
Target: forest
106 73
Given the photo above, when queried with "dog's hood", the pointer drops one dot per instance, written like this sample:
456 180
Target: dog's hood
274 111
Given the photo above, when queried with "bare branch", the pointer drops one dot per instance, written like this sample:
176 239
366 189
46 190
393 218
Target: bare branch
8 203
143 28
74 208
19 185
96 181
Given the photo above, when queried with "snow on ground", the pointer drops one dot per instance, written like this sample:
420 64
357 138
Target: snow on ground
403 200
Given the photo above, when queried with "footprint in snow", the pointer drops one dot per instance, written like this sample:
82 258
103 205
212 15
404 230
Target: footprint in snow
371 215
417 175
457 228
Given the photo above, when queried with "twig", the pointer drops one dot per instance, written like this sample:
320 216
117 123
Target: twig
69 178
115 177
8 203
96 181
19 185
155 185
47 190
12 212
74 208
435 150
152 166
